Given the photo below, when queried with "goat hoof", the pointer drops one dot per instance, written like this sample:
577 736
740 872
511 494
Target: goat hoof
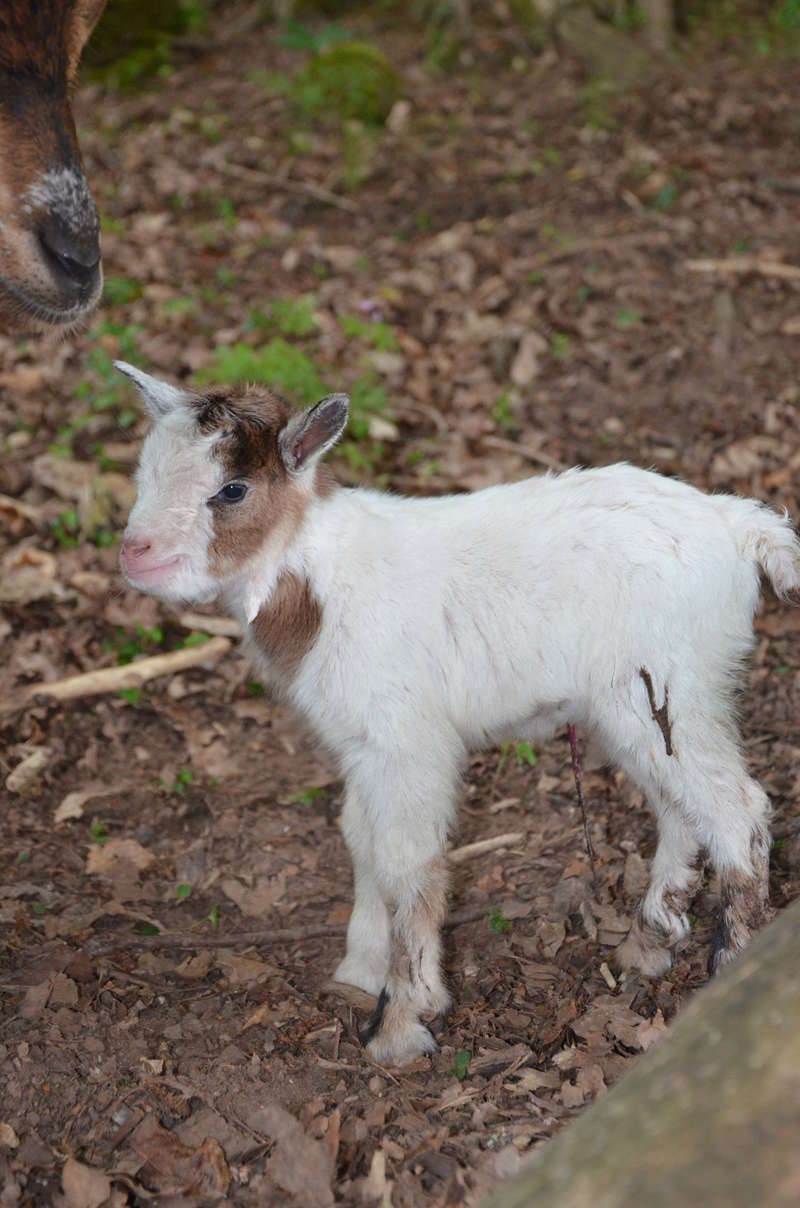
649 959
393 1035
396 1046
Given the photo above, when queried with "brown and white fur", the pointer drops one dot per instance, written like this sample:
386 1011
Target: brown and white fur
50 274
411 631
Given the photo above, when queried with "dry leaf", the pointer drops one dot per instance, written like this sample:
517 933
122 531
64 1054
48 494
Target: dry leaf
174 1168
258 900
8 1137
651 1030
299 1165
72 805
26 774
262 1016
84 1186
240 970
101 860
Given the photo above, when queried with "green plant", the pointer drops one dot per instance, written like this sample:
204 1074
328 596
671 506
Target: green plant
306 796
98 833
183 779
598 100
277 364
183 891
66 529
128 646
502 413
381 336
349 80
525 754
461 1064
498 922
289 316
213 917
300 37
627 318
119 291
131 695
560 345
198 638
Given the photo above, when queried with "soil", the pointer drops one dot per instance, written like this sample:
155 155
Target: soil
535 260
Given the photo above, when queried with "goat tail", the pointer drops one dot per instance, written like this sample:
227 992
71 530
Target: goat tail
771 540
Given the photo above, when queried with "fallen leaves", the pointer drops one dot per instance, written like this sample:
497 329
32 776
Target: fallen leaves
299 1165
84 1186
172 1168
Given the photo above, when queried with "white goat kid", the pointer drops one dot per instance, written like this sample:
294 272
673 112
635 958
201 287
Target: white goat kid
409 632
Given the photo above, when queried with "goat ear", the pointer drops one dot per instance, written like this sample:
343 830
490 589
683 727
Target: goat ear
158 397
310 434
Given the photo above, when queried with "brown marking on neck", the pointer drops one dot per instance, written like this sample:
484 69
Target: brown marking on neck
287 626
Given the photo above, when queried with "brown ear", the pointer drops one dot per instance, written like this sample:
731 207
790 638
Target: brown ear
309 435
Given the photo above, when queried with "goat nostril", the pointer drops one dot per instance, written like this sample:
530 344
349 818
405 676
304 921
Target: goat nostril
74 255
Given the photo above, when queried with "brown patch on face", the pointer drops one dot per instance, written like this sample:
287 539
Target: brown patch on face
248 449
286 627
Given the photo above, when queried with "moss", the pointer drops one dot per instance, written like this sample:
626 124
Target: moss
133 39
352 81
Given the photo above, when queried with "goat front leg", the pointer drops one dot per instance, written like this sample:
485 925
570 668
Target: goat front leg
366 963
414 988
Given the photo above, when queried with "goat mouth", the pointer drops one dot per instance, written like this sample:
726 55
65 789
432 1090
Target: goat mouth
46 314
150 572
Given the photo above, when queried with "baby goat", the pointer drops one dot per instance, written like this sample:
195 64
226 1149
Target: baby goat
409 632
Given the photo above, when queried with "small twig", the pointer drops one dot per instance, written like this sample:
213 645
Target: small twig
597 243
577 772
660 716
112 679
272 182
223 627
746 264
337 1036
250 939
460 854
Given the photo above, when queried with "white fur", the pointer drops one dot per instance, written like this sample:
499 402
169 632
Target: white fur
453 624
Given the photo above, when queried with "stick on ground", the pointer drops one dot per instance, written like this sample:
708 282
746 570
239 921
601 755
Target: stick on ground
112 679
577 772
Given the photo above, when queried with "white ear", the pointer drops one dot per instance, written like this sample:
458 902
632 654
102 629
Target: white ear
159 397
310 434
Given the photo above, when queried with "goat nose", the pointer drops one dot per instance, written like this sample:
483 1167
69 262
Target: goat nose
135 549
72 255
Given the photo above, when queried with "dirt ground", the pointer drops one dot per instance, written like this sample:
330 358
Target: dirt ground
518 265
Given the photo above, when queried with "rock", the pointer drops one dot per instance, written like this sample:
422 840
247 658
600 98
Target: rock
710 1117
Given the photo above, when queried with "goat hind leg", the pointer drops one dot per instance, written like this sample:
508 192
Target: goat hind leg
661 923
744 879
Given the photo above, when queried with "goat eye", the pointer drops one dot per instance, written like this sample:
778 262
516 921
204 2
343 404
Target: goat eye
233 492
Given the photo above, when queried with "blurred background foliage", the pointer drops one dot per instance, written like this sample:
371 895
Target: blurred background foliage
138 40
